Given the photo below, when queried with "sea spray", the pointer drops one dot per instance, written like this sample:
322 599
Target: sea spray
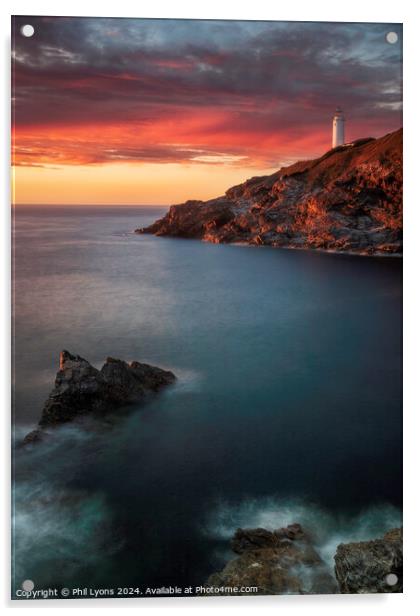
327 528
58 530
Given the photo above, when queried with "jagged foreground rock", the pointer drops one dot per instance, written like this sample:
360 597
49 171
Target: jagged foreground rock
81 389
348 200
364 567
285 562
279 562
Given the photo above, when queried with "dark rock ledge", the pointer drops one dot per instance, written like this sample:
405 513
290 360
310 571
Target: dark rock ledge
280 562
80 389
371 566
285 561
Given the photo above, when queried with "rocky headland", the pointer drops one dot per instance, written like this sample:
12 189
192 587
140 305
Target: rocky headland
81 389
348 200
285 561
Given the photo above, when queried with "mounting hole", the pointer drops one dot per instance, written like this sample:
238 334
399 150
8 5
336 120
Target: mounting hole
392 38
28 585
27 30
391 579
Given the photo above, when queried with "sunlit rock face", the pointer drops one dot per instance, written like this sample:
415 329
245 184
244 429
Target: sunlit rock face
82 389
348 200
371 566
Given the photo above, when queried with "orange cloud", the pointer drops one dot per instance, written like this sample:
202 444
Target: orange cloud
230 98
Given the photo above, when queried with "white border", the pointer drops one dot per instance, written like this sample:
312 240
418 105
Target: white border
303 10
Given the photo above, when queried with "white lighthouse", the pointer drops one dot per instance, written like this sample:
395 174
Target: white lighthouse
338 128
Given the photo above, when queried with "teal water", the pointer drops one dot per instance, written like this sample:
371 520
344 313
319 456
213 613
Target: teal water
287 405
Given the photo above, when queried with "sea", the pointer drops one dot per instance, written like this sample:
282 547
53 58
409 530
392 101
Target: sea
287 405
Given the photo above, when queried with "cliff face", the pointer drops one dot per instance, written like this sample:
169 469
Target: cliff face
348 200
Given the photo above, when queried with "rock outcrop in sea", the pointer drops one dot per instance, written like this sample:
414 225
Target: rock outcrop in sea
349 200
280 562
371 566
285 561
82 389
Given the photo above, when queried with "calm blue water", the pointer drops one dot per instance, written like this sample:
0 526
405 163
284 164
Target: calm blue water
287 406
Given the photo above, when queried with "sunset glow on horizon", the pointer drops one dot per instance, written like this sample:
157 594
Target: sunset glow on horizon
125 111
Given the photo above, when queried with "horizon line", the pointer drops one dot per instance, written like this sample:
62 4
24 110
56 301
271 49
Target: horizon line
91 204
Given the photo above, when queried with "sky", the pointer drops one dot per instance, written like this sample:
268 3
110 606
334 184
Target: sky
142 111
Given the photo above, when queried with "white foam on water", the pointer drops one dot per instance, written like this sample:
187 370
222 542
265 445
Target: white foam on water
53 522
187 380
327 529
53 525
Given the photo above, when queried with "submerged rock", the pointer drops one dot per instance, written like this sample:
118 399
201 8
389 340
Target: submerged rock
371 566
35 436
279 562
81 389
348 200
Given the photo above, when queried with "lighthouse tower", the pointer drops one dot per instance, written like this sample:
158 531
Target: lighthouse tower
338 128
